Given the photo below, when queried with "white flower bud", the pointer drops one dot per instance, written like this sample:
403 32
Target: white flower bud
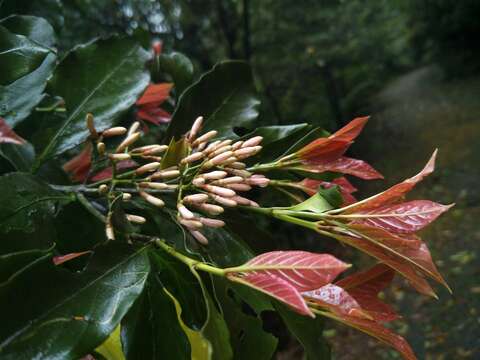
101 148
198 181
219 151
152 199
155 149
119 157
214 175
239 187
202 146
154 185
147 168
245 152
196 198
254 141
91 126
219 190
220 158
205 137
184 212
133 128
214 223
199 237
165 174
229 180
197 125
191 224
114 131
136 219
258 180
127 142
210 208
193 157
211 147
237 165
244 201
126 196
224 201
229 161
109 231
239 172
102 189
237 145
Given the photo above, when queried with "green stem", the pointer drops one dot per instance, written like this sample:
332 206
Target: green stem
89 207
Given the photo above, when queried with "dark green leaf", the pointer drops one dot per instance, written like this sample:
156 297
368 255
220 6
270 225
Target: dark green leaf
18 56
23 199
179 67
19 156
332 195
176 151
75 312
108 76
224 96
308 331
184 286
151 330
35 28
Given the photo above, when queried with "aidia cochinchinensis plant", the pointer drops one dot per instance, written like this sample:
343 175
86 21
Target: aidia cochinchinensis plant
129 210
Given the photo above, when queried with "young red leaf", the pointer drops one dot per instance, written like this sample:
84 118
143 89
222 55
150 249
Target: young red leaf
155 94
304 270
364 288
7 135
407 217
350 131
57 260
276 287
107 172
155 115
79 166
395 193
376 330
345 165
387 238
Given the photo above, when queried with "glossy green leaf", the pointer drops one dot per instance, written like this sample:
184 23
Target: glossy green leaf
308 331
20 157
35 28
331 195
75 311
315 203
176 151
151 329
224 96
108 76
179 67
25 198
18 55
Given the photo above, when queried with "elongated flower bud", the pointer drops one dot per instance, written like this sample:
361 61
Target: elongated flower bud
214 175
193 157
212 146
229 180
184 212
165 174
210 208
102 189
244 201
101 148
154 185
258 180
151 199
205 137
219 190
224 201
225 143
153 158
218 159
91 126
199 237
237 145
202 146
119 157
155 149
245 152
214 223
127 142
254 141
239 172
126 196
191 224
197 125
114 131
196 198
133 128
198 181
229 161
239 187
147 168
219 151
237 165
109 228
136 219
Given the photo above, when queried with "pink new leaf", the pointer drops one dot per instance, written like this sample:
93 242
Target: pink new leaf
345 165
275 287
57 260
303 270
7 135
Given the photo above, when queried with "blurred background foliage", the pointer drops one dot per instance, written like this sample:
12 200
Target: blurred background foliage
412 64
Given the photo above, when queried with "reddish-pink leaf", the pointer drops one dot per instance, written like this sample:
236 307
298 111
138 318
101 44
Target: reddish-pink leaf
376 330
398 262
153 114
304 270
7 135
350 131
407 217
57 260
344 165
387 238
323 150
155 94
396 192
107 172
276 287
79 166
364 288
310 187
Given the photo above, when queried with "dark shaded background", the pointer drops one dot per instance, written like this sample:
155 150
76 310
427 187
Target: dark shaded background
413 65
